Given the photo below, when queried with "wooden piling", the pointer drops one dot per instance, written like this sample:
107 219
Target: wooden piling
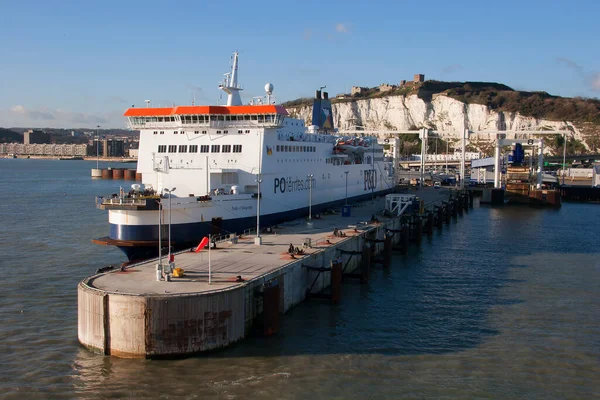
365 264
429 223
271 308
387 251
419 229
404 236
336 281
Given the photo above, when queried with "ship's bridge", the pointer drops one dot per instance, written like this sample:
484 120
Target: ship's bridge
253 116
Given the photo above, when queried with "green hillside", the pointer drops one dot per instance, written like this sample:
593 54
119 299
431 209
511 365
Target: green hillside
8 136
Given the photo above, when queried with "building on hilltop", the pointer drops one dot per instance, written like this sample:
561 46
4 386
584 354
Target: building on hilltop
35 137
385 87
419 78
358 90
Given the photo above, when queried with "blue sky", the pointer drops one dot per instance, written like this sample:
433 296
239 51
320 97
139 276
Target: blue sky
82 63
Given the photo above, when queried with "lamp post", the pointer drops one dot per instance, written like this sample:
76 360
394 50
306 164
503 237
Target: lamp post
170 193
97 144
310 177
258 239
346 172
159 265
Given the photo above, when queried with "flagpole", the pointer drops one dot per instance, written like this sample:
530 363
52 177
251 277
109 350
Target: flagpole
209 272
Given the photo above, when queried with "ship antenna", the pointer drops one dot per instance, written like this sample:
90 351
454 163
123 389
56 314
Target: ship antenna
230 85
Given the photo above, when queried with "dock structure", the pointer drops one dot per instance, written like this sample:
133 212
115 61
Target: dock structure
126 312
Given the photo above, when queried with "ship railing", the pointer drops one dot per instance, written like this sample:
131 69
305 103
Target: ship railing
306 137
127 201
244 124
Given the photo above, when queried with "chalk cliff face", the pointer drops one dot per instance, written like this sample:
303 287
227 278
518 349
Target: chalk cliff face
447 116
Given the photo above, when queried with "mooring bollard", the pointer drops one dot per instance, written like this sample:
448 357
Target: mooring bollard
365 264
387 251
336 281
429 223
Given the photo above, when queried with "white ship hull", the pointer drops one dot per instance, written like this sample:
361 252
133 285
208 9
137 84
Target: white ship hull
204 164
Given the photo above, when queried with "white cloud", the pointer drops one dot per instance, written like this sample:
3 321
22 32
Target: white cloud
18 109
595 82
20 116
452 68
341 28
591 80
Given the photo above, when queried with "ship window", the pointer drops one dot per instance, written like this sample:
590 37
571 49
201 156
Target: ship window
247 131
194 119
183 148
226 148
160 119
204 148
196 132
218 132
175 132
225 132
162 148
237 148
277 147
154 119
155 132
246 118
204 132
193 148
261 118
220 118
254 118
162 132
215 148
240 131
172 148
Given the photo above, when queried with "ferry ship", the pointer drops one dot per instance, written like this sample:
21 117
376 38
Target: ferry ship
210 170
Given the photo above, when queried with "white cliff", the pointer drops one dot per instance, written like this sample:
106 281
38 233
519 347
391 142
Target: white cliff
447 116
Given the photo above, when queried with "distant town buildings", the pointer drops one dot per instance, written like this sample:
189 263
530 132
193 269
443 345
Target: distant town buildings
35 137
44 149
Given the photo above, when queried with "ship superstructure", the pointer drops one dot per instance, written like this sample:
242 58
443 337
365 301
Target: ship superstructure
211 161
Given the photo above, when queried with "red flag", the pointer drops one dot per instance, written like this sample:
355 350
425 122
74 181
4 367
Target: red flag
202 245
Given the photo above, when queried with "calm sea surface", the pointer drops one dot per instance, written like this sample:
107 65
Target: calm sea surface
503 304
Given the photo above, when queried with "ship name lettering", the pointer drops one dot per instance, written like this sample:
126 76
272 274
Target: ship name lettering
370 176
290 185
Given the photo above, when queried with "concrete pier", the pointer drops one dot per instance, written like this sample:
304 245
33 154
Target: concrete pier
128 313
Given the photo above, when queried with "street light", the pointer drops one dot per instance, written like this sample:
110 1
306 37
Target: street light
97 144
310 178
258 239
159 265
170 193
346 172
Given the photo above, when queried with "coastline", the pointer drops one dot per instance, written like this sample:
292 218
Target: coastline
85 158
